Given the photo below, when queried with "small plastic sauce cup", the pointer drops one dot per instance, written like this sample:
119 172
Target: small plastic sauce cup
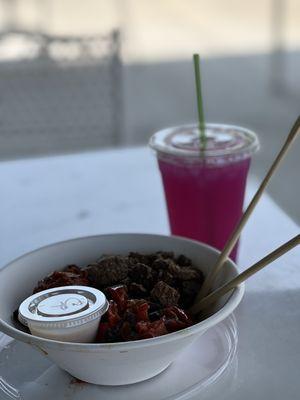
66 313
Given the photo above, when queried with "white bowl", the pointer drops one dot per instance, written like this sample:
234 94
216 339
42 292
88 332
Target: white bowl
109 363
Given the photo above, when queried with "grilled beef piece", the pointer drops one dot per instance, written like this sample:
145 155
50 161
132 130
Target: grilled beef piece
160 264
108 271
165 294
183 261
137 291
142 274
136 258
184 274
188 292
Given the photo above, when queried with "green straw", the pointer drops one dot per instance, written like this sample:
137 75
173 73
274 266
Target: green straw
201 121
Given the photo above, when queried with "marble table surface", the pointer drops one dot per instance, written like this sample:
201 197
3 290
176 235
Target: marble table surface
55 198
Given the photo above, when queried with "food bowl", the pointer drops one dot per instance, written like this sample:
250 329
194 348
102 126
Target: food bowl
110 363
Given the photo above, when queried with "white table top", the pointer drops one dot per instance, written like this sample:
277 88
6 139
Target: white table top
52 199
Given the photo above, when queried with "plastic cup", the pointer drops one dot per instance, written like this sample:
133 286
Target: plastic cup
204 189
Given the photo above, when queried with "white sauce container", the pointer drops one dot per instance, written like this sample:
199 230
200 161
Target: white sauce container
66 313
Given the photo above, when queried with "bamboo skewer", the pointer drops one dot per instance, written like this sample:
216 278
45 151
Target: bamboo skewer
236 233
212 297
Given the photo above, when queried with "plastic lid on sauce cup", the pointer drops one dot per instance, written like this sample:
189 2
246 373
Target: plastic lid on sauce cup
224 144
65 313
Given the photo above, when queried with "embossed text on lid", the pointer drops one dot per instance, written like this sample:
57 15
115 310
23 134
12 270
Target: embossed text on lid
62 304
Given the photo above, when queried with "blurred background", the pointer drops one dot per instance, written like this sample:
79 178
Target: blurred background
78 76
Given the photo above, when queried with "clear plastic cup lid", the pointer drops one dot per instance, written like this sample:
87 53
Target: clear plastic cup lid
224 143
64 306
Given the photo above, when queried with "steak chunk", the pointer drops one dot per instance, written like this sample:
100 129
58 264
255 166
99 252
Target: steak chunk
108 271
165 294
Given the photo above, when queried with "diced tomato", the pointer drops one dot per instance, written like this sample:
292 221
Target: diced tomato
169 313
158 327
103 326
119 295
142 312
112 314
177 313
126 332
142 327
151 329
173 325
139 308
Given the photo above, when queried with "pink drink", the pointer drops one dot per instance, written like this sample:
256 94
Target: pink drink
205 190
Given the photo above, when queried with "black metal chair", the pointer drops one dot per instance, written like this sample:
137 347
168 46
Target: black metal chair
59 93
